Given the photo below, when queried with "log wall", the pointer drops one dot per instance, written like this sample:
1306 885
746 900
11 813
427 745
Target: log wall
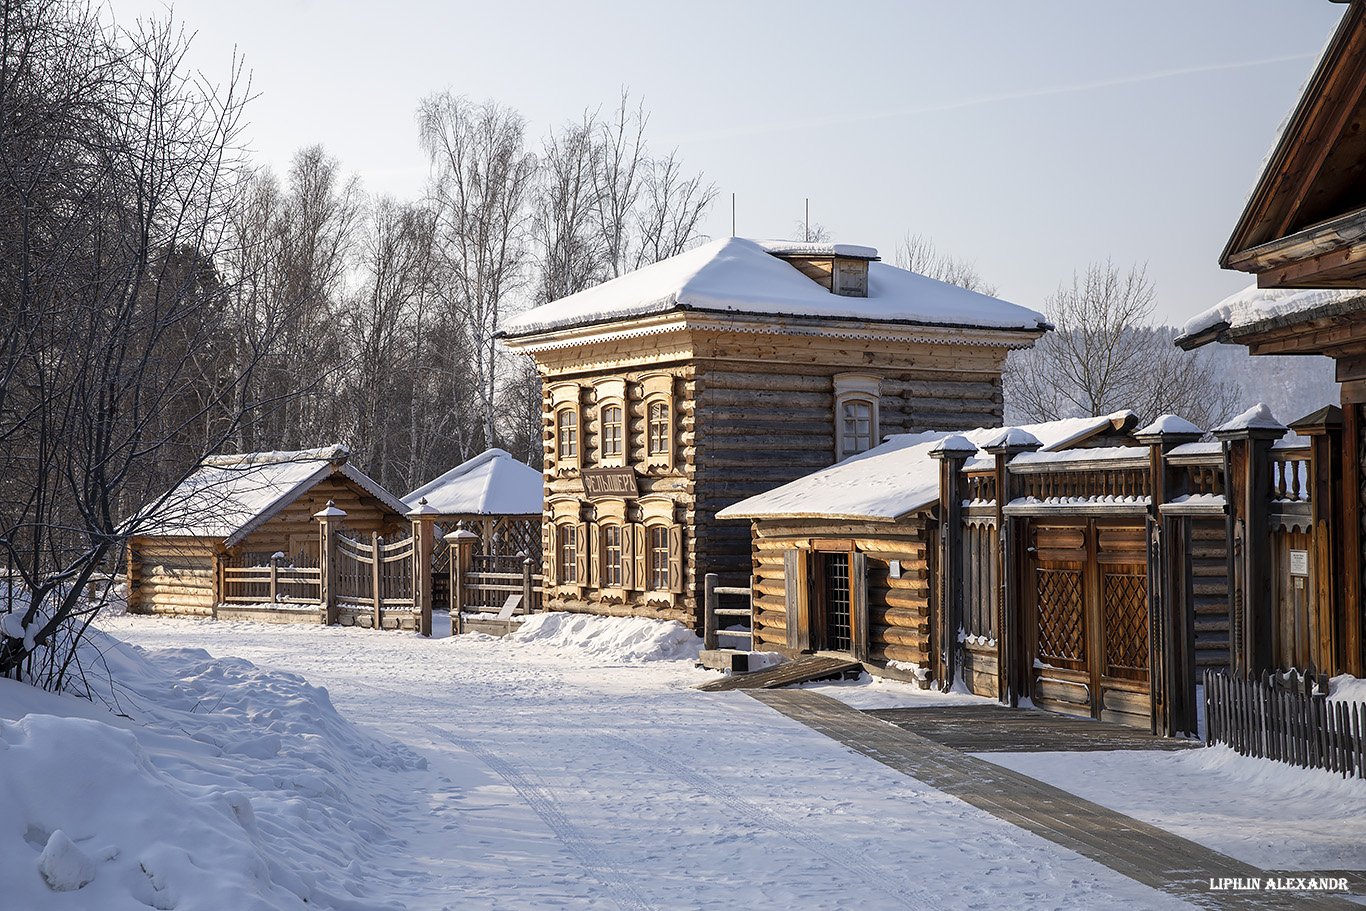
898 608
172 576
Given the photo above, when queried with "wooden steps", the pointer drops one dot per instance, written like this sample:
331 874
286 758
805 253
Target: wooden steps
802 670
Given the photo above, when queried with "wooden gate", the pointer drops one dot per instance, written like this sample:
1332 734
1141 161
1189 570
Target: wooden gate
1087 624
375 579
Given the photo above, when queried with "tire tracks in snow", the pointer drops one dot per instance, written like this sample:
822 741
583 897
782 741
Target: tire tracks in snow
896 887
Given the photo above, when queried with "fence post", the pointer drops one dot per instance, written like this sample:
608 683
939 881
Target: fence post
527 587
375 592
462 548
1171 614
328 520
424 516
1247 443
1013 678
275 559
709 610
952 453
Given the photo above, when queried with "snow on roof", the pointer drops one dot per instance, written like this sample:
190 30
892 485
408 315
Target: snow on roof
1011 437
1253 306
231 496
806 248
894 479
492 483
1167 424
1258 417
734 275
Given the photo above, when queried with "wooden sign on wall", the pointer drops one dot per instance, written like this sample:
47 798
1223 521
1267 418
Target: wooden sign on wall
610 482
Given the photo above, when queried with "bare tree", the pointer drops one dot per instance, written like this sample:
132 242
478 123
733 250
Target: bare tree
115 170
917 253
572 253
481 180
1105 355
674 206
617 177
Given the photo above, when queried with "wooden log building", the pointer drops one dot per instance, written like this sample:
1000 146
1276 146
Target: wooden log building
1301 234
677 390
245 509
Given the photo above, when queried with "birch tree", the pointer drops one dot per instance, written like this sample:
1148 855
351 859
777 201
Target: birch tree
480 182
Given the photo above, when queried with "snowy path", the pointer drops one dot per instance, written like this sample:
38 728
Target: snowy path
557 779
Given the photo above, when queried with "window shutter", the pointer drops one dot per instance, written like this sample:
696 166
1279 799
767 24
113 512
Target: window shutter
628 557
794 581
581 555
858 604
552 566
676 558
642 558
596 558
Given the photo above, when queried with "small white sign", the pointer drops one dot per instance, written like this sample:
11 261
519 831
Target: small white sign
1299 563
510 607
894 568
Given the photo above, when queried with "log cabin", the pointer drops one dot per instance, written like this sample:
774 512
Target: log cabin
681 388
847 560
243 510
1301 234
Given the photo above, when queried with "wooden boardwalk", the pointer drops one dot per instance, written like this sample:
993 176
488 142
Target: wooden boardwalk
1135 849
1000 729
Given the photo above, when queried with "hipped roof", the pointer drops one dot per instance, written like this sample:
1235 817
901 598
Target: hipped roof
739 276
231 496
899 477
492 483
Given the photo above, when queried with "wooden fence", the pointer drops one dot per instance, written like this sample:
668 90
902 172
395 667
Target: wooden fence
250 580
1287 718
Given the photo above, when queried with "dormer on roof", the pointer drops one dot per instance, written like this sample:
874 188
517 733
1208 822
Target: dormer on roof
838 268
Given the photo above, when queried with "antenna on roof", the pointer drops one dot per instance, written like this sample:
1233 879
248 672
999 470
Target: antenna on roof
732 215
808 219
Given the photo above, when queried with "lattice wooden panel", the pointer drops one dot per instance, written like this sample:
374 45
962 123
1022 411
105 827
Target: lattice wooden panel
1062 630
1125 609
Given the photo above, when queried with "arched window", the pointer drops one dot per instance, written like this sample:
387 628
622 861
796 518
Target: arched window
612 432
567 432
567 554
856 413
658 429
657 544
612 575
857 433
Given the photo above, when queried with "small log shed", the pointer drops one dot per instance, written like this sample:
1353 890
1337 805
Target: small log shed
245 506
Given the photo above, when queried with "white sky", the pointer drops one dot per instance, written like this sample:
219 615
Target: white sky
1030 138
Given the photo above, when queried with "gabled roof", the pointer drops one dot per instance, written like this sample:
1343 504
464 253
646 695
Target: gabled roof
1306 215
492 483
231 496
899 477
740 276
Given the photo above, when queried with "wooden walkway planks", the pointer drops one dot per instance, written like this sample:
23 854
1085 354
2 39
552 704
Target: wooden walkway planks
1000 729
1128 846
802 670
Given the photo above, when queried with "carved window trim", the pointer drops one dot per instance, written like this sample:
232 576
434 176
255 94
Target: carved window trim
659 408
566 427
859 394
613 436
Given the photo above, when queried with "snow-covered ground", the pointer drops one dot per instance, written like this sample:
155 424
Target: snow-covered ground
572 767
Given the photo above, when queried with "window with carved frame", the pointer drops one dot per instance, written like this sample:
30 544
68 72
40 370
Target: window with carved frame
657 545
856 413
613 431
567 553
658 429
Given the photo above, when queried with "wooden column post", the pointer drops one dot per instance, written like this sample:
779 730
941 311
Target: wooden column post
329 519
952 452
528 588
423 518
710 599
1324 429
461 542
376 567
1247 443
1171 610
1013 678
